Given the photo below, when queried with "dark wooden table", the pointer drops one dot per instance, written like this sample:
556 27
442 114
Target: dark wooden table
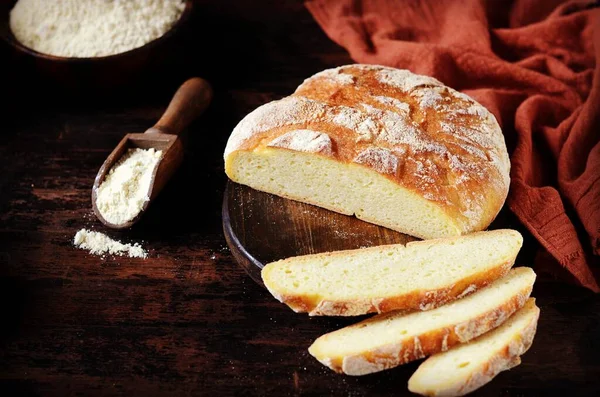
188 320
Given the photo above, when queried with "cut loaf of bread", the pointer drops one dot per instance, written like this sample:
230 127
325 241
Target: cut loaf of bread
467 367
390 339
421 275
394 148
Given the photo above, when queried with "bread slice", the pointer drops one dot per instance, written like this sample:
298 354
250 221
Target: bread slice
421 275
468 367
391 339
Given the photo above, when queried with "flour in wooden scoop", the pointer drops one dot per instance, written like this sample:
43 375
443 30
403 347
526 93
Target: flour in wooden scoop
122 194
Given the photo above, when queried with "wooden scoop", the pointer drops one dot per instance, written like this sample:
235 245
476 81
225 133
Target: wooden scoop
190 100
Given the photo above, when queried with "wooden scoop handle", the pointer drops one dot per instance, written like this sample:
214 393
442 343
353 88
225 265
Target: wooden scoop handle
190 100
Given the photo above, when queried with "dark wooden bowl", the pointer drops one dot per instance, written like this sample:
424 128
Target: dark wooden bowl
105 73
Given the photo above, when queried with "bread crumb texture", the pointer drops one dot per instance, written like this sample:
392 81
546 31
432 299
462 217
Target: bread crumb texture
100 244
91 28
122 194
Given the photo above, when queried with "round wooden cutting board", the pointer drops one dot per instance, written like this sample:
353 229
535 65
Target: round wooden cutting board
261 228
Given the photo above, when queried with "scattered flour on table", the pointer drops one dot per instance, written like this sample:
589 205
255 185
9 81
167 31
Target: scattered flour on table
99 244
124 191
91 28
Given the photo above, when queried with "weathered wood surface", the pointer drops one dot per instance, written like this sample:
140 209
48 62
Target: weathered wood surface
188 320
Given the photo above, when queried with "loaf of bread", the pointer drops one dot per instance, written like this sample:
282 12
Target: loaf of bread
390 339
393 148
420 276
467 367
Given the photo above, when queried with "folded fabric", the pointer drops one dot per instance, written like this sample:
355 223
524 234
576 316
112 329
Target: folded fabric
536 65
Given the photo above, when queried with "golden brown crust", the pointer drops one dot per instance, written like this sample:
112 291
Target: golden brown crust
506 358
411 129
435 341
418 300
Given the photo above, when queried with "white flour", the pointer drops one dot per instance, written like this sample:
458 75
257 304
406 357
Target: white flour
124 191
91 28
99 244
304 141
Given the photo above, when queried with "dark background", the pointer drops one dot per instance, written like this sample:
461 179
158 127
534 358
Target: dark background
188 320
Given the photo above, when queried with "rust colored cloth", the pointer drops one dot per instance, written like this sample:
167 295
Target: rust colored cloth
535 64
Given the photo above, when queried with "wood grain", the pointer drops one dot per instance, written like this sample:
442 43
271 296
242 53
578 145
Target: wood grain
261 228
188 320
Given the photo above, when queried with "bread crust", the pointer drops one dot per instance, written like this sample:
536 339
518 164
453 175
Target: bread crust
506 358
411 129
435 341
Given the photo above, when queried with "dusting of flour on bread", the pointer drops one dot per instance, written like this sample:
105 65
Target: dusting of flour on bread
304 141
404 79
393 102
286 111
335 75
381 159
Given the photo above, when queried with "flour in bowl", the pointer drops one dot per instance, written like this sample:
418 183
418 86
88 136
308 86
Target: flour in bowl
91 28
122 194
